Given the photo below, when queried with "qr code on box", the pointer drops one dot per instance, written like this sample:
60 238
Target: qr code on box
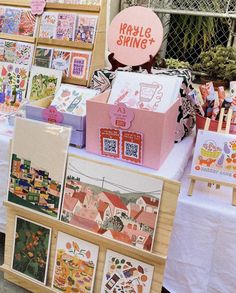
131 150
110 145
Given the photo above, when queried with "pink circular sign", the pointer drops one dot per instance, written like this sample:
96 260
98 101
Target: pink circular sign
135 34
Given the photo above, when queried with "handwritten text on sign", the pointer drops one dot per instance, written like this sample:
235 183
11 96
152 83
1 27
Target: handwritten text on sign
134 35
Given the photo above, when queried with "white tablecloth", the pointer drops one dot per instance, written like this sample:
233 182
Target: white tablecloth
202 253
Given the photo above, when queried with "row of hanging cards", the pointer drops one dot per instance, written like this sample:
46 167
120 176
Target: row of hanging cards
17 21
145 91
68 26
74 64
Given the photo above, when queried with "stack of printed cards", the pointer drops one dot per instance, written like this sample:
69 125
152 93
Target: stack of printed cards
74 64
72 99
17 21
145 91
68 26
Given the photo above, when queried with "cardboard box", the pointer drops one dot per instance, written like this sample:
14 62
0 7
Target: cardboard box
158 129
36 111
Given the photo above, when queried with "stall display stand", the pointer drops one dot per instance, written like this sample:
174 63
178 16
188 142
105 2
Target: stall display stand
156 258
97 49
210 182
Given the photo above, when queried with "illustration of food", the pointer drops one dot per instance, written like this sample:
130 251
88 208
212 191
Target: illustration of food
226 148
209 154
221 160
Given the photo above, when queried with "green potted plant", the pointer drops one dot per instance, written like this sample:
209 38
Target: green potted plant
218 65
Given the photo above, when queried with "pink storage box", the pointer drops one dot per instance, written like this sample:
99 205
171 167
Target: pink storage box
158 129
77 123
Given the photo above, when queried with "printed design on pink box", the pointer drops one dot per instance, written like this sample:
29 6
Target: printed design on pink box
98 200
121 116
51 115
121 144
215 156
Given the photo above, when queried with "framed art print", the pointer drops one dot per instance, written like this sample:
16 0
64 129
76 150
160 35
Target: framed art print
116 203
125 274
37 167
75 264
31 247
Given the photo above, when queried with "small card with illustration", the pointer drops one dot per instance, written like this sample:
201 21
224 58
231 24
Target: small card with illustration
48 25
2 50
86 28
24 53
65 26
75 264
27 26
11 21
79 65
72 99
61 61
125 274
2 16
43 83
43 57
10 51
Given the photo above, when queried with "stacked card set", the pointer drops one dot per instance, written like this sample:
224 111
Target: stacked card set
118 204
16 52
17 21
74 64
68 26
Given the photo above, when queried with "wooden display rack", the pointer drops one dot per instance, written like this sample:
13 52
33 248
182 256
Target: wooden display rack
209 181
97 49
157 258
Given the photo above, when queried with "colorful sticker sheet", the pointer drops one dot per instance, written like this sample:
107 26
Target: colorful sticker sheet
115 203
17 21
73 64
31 250
75 264
125 274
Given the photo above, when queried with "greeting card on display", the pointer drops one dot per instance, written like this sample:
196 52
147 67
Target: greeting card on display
214 156
13 83
72 99
75 264
43 83
24 53
61 61
37 167
43 57
27 24
10 51
86 28
80 62
145 91
116 203
65 26
11 21
48 25
125 274
2 50
2 16
31 245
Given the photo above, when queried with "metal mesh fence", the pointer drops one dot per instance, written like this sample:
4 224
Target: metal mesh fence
192 26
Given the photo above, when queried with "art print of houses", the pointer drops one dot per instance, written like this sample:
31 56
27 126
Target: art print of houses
129 218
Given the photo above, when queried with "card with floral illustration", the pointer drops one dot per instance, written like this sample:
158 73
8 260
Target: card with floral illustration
37 167
79 65
13 83
2 16
72 99
61 61
10 51
215 156
24 53
48 25
43 83
65 26
27 26
86 28
145 91
125 274
75 264
31 250
116 203
11 21
2 50
43 56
